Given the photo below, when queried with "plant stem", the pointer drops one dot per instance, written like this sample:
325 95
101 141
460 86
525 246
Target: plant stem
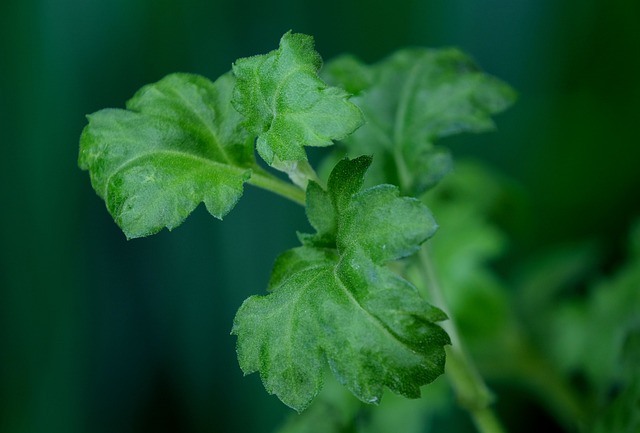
469 386
265 180
300 172
486 421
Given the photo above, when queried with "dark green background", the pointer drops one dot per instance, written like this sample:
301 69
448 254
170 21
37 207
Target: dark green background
98 334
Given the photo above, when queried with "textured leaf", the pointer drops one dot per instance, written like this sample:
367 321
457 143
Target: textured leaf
341 305
287 105
410 100
178 143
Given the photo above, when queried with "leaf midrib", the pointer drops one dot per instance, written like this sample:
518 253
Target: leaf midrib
403 104
207 126
372 317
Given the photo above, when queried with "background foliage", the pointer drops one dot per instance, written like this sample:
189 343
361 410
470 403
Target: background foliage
100 334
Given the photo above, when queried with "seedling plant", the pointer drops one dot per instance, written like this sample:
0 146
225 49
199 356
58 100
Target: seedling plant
392 288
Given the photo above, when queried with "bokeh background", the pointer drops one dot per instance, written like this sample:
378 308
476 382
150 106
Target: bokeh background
98 334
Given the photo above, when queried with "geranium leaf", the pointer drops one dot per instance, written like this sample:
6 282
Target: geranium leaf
410 100
178 143
341 305
287 105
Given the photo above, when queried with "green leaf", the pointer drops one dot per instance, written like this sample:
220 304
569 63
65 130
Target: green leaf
178 143
468 242
589 334
287 105
335 410
589 327
622 414
410 100
340 305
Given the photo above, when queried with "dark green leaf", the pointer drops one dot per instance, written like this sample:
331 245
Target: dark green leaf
342 305
410 100
178 143
287 105
623 414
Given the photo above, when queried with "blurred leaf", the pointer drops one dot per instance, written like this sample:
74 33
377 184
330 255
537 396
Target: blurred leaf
178 143
595 336
623 414
612 311
341 305
333 411
589 333
464 246
287 105
554 273
411 99
414 416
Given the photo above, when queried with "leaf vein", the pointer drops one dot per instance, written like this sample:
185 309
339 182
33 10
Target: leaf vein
208 127
372 317
237 170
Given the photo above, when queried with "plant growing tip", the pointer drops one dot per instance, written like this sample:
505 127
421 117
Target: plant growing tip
334 302
286 104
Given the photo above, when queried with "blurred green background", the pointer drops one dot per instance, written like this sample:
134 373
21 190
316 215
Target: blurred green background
98 334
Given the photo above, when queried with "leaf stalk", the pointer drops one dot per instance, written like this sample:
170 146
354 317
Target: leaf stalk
267 181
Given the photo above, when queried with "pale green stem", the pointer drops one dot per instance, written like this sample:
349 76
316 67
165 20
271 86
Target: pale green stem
404 175
469 386
300 172
269 182
486 421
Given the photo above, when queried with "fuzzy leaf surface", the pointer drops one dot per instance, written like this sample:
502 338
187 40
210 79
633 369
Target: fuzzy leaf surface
178 143
333 301
410 100
287 105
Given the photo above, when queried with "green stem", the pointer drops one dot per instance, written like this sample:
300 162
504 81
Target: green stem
406 95
486 421
265 180
469 386
404 175
299 172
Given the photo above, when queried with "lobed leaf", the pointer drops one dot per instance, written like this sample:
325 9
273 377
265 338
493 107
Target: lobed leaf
287 105
410 100
340 305
178 143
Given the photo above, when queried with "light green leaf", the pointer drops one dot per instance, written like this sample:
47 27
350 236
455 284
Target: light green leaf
469 240
335 410
178 143
341 305
287 105
410 100
596 327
